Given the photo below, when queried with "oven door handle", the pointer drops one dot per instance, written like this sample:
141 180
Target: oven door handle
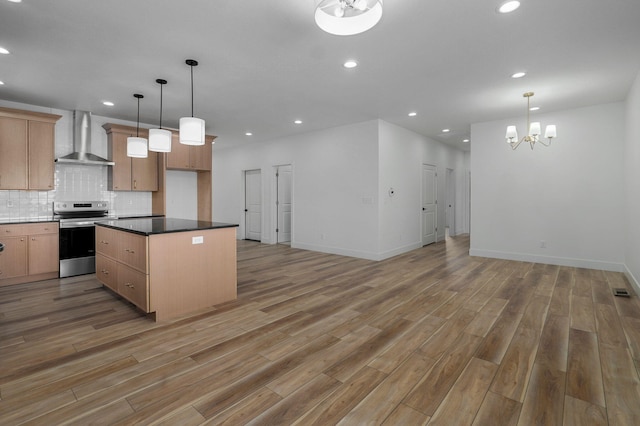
85 224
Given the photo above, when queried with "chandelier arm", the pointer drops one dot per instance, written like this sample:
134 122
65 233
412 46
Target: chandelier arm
514 145
545 143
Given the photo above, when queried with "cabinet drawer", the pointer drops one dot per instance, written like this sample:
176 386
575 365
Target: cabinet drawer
134 286
106 271
11 230
41 228
132 250
107 241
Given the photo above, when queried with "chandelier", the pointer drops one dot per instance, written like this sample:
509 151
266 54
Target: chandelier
348 17
534 130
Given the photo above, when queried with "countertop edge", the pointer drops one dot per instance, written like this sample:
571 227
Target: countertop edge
212 226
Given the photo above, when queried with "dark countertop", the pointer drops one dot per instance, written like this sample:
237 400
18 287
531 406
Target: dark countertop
20 221
162 225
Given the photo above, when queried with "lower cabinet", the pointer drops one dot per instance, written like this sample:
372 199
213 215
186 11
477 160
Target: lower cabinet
122 265
30 253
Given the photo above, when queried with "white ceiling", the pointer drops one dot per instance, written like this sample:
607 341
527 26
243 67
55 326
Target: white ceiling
264 64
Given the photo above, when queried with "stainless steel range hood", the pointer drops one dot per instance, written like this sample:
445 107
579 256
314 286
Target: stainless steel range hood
82 143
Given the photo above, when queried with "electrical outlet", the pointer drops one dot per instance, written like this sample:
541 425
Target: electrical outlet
197 240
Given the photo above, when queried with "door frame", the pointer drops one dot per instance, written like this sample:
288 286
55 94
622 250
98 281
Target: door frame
450 191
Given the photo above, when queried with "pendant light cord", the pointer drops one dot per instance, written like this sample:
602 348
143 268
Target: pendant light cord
138 119
161 106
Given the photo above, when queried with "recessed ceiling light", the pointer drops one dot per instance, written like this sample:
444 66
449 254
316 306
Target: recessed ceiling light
15 1
248 134
1 82
298 122
413 114
518 75
465 140
446 130
4 51
508 6
350 64
534 108
108 103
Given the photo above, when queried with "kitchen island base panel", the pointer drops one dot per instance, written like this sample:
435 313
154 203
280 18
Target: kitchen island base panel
187 276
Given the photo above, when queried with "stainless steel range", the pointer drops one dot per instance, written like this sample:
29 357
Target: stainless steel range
77 234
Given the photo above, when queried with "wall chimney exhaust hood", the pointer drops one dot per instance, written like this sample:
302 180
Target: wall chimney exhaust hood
82 143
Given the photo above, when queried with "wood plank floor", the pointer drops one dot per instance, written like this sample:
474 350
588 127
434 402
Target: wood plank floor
432 336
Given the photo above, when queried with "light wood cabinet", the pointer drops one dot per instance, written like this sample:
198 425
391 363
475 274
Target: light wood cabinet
30 254
122 264
13 260
27 149
129 174
190 157
168 274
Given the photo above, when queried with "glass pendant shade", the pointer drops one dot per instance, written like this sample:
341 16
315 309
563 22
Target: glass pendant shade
159 140
534 130
550 131
137 147
191 131
349 17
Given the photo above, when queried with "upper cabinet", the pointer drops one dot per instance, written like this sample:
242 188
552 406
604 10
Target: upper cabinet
190 157
27 149
129 174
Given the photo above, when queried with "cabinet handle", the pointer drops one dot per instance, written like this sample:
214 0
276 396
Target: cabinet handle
33 238
135 184
21 239
104 271
129 251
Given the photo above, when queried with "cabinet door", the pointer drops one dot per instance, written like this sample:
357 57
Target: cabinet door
120 172
13 153
41 155
178 158
144 173
43 254
201 157
13 260
134 286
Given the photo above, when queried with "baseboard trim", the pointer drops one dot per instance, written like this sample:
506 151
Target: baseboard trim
632 280
561 261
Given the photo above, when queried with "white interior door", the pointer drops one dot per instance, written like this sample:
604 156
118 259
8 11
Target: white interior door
429 204
283 203
253 205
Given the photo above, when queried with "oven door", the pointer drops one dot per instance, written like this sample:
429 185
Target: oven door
77 249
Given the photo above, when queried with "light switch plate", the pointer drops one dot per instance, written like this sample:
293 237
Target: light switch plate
197 240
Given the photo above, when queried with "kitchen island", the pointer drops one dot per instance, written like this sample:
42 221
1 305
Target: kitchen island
168 267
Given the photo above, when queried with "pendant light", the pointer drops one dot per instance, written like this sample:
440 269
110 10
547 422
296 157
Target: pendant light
137 147
160 139
191 128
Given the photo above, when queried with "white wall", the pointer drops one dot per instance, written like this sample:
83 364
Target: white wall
334 176
569 195
402 153
632 185
341 178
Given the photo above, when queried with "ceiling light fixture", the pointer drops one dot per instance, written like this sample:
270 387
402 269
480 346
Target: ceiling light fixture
535 108
1 82
137 146
350 64
534 130
465 140
107 103
412 114
508 6
160 139
446 130
347 17
4 51
297 122
518 74
191 128
248 134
